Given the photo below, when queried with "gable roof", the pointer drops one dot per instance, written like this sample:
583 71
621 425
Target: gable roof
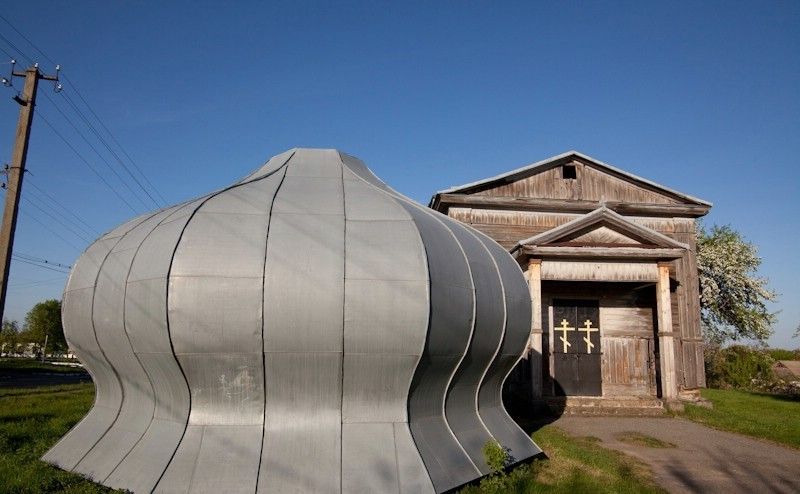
539 166
600 217
639 243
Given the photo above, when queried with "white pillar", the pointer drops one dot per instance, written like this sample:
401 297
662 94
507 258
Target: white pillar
666 338
535 338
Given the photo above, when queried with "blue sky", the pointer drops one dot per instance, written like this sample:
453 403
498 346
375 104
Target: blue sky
699 96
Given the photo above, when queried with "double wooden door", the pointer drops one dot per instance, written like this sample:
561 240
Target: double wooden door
576 347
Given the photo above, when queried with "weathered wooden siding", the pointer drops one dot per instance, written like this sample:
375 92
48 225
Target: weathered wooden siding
627 322
591 184
626 366
508 227
599 271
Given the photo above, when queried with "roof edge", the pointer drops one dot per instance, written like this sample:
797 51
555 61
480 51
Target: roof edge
597 216
550 160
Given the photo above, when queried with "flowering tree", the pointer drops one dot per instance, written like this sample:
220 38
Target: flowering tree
733 299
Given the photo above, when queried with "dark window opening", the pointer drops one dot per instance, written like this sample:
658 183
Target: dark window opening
569 171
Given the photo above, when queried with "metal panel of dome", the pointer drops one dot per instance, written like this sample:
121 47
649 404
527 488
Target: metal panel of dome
518 320
306 329
386 318
145 318
215 316
461 406
82 340
136 410
449 334
303 328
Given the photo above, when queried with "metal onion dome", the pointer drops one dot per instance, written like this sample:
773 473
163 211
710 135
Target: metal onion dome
307 329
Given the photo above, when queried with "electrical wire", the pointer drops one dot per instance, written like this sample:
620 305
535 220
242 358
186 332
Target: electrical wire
57 220
14 48
37 265
102 158
86 120
26 39
31 258
68 99
44 225
36 283
7 53
74 88
88 228
69 145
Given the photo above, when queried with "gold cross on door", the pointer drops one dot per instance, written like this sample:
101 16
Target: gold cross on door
588 329
564 329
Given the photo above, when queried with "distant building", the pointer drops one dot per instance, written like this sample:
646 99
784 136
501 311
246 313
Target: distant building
788 370
611 263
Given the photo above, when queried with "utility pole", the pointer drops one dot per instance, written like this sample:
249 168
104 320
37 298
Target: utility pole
16 171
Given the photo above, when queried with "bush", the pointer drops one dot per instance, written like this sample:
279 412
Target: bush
783 354
738 366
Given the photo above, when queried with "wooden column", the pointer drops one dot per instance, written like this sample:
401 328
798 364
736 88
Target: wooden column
666 335
535 338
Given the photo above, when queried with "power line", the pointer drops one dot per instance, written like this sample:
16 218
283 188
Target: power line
7 53
37 202
57 220
31 258
89 228
37 283
47 122
26 39
44 225
37 265
74 88
108 165
14 48
103 141
99 120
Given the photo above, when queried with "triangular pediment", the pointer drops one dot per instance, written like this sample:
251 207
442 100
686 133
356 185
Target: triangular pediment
578 177
602 228
602 235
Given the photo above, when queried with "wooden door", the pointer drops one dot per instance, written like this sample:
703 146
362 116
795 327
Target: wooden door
576 348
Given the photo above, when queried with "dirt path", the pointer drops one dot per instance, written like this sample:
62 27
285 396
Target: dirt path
704 460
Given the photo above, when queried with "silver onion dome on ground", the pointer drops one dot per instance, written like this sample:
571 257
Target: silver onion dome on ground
307 329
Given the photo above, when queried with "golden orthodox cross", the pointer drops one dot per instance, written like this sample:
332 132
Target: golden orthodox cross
564 328
588 329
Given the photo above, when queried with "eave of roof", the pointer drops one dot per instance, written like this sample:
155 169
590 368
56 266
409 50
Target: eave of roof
530 169
599 216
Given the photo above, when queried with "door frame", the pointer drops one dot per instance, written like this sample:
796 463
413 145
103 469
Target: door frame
552 337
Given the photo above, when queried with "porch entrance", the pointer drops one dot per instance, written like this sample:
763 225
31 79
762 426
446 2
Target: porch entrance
576 348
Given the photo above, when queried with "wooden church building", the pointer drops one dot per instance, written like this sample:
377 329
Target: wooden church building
611 265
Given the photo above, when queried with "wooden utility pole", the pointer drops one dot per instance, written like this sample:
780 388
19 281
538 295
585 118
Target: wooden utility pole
16 172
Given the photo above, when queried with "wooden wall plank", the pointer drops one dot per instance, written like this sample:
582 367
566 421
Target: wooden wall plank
592 184
599 271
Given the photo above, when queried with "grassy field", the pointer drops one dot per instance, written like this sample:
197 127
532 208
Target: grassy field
772 417
574 465
31 366
32 420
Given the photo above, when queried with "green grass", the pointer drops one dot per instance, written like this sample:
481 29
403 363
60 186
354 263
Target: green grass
639 439
29 366
574 465
31 421
772 417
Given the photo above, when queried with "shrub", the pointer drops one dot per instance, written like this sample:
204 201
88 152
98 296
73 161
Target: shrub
738 366
783 354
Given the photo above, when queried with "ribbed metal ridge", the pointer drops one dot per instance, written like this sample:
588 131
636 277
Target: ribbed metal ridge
305 329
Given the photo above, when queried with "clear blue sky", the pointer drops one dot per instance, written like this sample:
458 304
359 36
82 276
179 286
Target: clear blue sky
703 97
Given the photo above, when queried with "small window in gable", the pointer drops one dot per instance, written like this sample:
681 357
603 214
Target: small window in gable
569 171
